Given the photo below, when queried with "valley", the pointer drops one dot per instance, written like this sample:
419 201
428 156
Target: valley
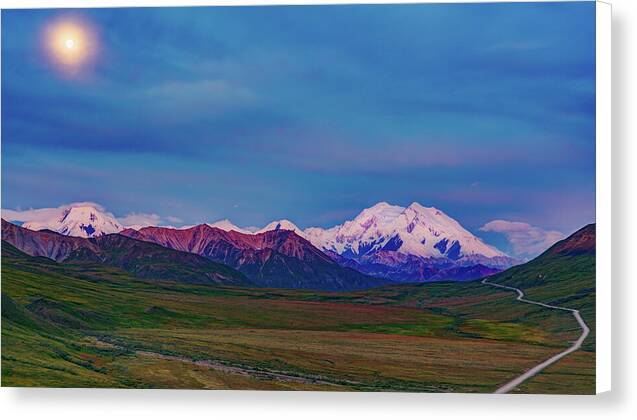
84 324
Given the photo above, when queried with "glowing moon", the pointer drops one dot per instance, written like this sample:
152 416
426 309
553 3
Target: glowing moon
71 44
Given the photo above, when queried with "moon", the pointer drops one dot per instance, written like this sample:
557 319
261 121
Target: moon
71 44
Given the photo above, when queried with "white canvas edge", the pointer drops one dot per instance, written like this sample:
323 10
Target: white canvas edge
603 269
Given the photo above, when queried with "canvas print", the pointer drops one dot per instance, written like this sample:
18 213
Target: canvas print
393 197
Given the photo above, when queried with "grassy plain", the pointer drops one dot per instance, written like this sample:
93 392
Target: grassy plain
67 325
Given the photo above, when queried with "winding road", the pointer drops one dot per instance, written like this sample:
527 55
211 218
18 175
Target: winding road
537 369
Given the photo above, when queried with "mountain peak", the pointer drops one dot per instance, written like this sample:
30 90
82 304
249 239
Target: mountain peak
282 224
380 214
419 208
415 230
83 220
80 212
381 206
227 225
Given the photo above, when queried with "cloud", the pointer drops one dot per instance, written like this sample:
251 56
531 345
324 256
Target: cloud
527 240
185 100
514 46
44 214
140 219
173 219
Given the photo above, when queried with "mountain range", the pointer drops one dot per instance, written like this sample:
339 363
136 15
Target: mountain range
143 259
400 244
201 254
275 258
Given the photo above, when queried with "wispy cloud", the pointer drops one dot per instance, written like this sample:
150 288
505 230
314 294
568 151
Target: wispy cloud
174 219
140 219
514 46
527 240
199 96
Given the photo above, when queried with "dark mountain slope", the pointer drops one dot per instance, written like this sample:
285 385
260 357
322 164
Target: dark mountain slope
44 243
403 268
581 242
10 251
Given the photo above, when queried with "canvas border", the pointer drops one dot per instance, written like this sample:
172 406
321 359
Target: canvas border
603 188
603 268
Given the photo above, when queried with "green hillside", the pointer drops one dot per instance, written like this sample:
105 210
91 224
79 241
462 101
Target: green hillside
564 275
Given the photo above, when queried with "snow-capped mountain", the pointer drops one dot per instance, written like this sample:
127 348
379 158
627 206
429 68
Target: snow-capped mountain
84 221
414 243
416 230
281 224
228 226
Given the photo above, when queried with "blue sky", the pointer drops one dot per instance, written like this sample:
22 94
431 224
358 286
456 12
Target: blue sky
486 111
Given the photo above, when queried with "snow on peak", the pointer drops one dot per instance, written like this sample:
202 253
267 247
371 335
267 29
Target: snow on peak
85 221
417 207
381 213
380 206
228 226
281 224
415 230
